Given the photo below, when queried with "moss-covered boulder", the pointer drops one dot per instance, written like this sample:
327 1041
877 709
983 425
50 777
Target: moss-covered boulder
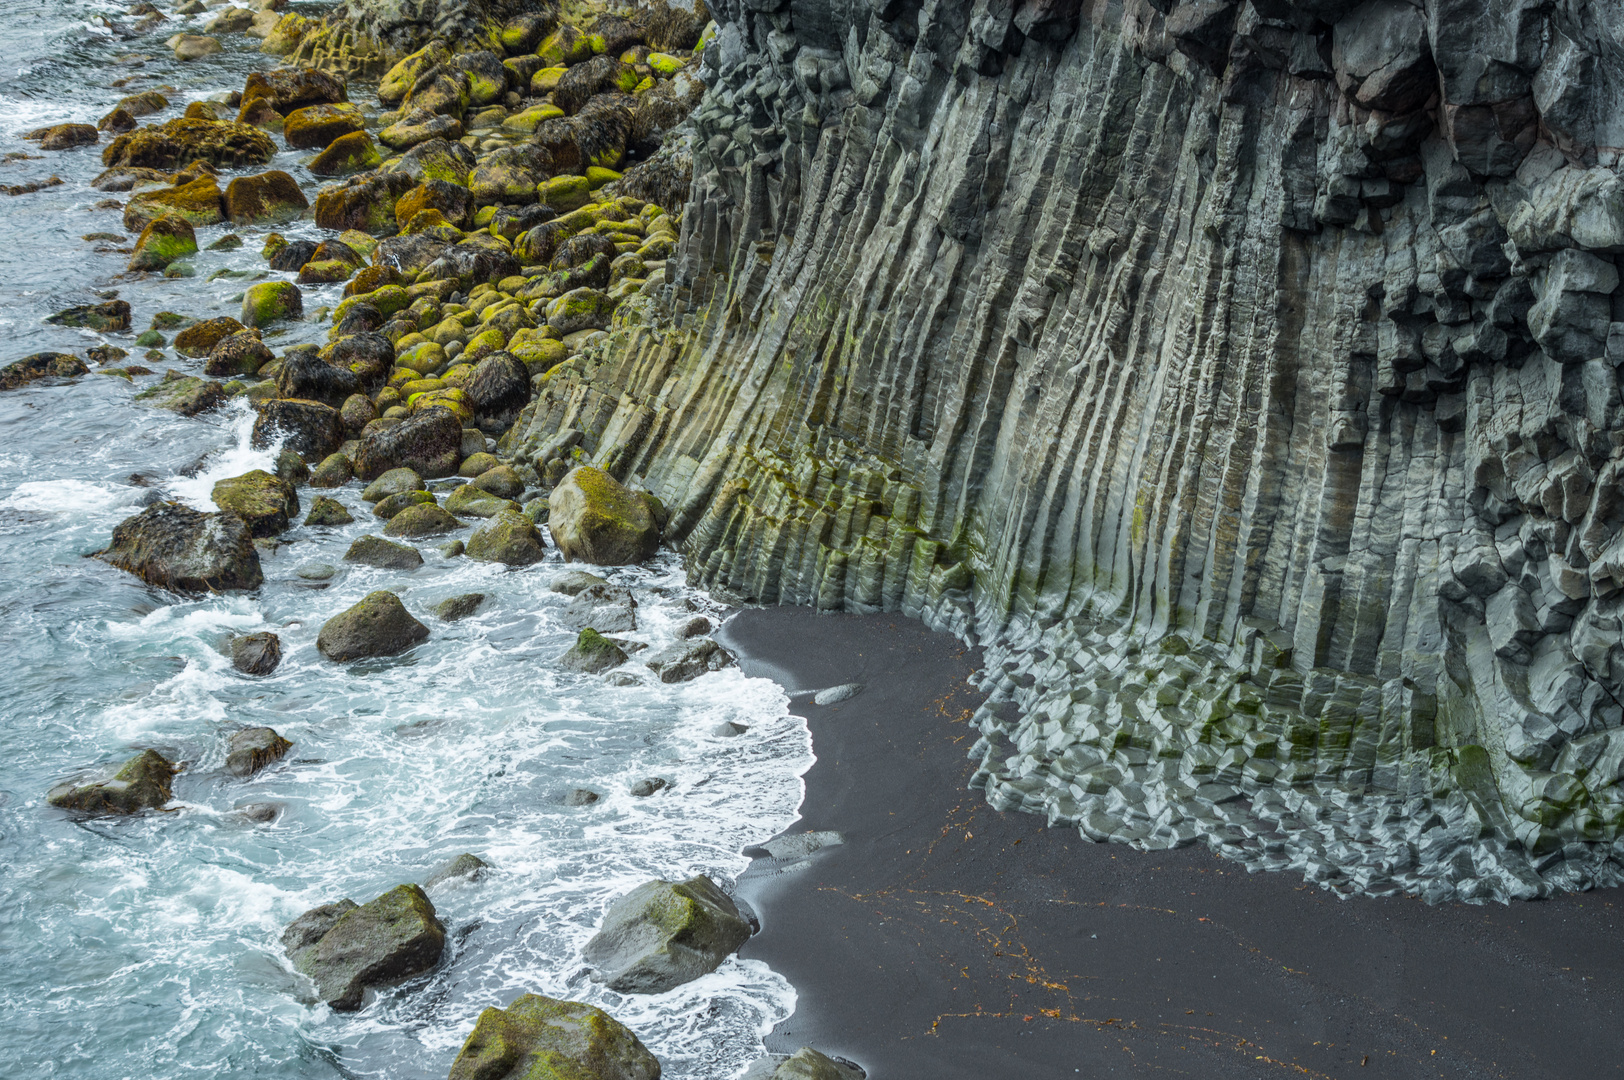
543 1038
240 354
185 395
565 46
142 783
65 136
316 126
308 428
510 175
580 309
264 198
165 238
455 608
453 202
387 508
383 554
398 81
805 1064
306 375
594 519
429 442
393 482
592 653
335 470
199 339
328 511
198 201
347 154
365 202
44 365
182 141
344 948
421 519
267 503
470 501
270 302
252 749
419 127
379 625
565 193
109 315
663 934
172 546
288 88
502 481
508 538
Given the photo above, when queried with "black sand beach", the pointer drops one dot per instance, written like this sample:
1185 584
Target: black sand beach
944 939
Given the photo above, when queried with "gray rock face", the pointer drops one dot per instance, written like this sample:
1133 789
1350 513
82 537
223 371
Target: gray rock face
1240 333
175 547
663 934
685 660
603 607
428 443
346 948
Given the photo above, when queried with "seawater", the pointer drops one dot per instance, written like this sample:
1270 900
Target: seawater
149 947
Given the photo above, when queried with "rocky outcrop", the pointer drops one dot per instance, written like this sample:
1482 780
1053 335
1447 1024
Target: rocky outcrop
1241 375
663 934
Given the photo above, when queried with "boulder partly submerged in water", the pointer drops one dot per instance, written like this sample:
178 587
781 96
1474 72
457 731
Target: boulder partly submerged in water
172 546
44 365
142 783
805 1064
344 948
594 519
540 1038
379 625
663 934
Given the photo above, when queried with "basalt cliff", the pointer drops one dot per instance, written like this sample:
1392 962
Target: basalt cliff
1240 374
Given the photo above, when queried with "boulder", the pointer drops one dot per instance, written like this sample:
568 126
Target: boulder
422 519
317 126
267 197
108 316
193 46
805 1064
464 867
437 159
344 948
451 200
539 1038
45 365
384 554
602 607
393 482
165 239
458 607
267 503
508 538
663 934
685 660
308 428
289 88
240 354
186 395
592 653
199 339
379 625
307 376
429 442
365 202
580 309
594 519
469 501
183 141
498 389
394 504
326 511
347 154
335 470
270 302
251 749
65 136
575 582
503 481
142 783
172 546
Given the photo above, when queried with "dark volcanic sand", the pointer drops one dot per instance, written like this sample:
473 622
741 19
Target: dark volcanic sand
946 940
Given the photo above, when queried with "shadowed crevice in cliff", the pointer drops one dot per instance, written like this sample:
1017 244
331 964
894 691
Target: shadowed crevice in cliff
1241 376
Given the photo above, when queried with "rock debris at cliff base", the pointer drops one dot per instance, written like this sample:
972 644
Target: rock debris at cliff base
1072 327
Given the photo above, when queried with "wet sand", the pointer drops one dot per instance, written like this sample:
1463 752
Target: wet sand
944 939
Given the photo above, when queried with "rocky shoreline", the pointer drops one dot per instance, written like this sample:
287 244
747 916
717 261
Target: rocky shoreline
488 219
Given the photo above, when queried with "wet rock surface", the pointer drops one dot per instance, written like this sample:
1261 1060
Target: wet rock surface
345 948
379 625
175 547
663 934
142 783
536 1036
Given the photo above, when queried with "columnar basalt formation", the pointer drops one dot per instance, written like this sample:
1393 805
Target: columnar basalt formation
1241 374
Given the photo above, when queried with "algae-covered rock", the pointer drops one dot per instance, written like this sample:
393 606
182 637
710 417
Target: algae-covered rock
199 339
335 470
109 315
251 749
580 309
270 302
45 365
470 501
543 1038
345 948
393 482
186 395
288 88
183 141
592 653
379 625
317 126
663 934
142 783
175 547
421 519
308 428
264 198
240 354
327 511
166 238
365 202
387 508
347 154
429 443
383 554
508 538
198 201
307 376
458 607
805 1064
267 503
594 519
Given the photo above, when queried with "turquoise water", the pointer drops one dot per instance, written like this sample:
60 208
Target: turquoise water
148 947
